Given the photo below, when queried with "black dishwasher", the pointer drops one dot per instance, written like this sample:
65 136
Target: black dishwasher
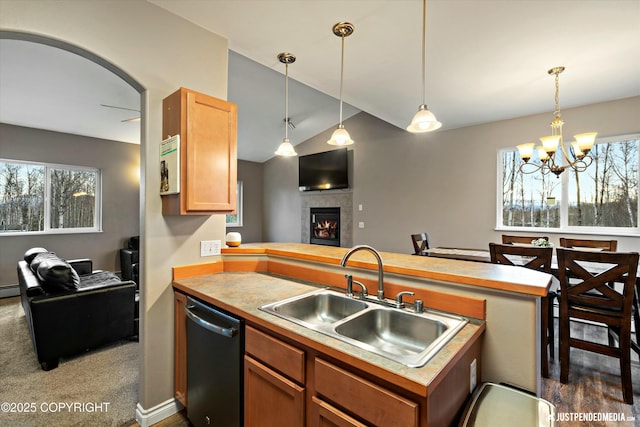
215 349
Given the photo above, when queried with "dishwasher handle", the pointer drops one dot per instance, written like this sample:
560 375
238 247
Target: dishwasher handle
226 332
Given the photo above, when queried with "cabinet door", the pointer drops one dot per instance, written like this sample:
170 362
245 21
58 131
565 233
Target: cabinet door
325 415
211 154
180 348
270 400
208 129
369 401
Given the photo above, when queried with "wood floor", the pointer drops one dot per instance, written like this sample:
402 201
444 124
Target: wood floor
593 390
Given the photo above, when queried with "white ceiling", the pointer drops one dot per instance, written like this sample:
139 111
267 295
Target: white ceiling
49 88
487 60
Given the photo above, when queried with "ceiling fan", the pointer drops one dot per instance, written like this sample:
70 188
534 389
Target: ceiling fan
132 119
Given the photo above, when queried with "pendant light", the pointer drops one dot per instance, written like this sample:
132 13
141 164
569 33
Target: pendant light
424 120
340 136
286 149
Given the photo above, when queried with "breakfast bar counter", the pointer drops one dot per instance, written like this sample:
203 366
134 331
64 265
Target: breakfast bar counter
489 276
507 299
242 294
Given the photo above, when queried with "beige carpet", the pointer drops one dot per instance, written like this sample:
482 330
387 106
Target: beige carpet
96 388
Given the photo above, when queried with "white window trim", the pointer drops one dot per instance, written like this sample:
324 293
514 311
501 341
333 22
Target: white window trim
97 220
564 227
239 206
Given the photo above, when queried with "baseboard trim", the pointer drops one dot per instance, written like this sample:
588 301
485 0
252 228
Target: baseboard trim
9 291
148 417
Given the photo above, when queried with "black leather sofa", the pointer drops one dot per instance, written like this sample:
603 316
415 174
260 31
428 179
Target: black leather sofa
70 308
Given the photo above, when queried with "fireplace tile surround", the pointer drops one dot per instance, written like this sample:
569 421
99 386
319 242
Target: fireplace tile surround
341 199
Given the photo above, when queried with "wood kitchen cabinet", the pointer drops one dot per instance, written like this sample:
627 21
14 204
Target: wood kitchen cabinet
180 348
369 401
274 393
325 415
208 152
270 399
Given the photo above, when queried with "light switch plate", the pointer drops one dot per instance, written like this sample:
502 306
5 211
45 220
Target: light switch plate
210 247
361 224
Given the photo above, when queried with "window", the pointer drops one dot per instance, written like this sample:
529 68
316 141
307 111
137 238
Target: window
602 199
235 220
46 198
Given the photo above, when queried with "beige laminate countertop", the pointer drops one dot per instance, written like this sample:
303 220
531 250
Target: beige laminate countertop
501 277
242 294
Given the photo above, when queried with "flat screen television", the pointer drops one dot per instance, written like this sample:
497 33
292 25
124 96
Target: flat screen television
323 171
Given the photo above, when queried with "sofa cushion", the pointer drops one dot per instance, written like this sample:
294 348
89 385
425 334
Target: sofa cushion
31 254
98 279
54 273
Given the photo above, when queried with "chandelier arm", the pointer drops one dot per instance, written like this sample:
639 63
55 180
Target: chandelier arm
543 168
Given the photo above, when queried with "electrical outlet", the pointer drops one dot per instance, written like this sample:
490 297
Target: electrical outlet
210 247
361 224
473 376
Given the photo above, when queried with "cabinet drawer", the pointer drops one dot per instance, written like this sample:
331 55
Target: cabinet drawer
367 400
279 355
325 415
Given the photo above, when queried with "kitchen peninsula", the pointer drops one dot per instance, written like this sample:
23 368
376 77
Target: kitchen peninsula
501 302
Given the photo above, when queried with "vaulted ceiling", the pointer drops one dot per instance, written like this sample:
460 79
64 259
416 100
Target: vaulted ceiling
487 60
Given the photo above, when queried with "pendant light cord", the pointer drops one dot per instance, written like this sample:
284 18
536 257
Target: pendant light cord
424 48
286 102
341 77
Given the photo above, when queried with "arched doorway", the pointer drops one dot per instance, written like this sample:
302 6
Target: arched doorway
69 249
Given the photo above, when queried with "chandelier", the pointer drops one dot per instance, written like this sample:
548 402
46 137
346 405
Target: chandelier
576 157
286 149
340 136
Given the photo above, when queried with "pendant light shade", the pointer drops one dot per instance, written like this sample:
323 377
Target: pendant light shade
286 149
424 120
340 136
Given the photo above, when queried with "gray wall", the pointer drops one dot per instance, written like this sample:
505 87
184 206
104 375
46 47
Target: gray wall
120 165
250 173
443 183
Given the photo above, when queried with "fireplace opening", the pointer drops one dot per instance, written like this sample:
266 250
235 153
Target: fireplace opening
325 226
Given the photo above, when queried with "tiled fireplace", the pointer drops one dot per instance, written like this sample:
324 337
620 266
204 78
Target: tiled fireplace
339 199
325 226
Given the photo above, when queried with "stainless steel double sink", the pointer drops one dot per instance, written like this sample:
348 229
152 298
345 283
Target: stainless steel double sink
376 326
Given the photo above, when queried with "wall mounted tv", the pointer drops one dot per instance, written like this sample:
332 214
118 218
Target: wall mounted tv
323 171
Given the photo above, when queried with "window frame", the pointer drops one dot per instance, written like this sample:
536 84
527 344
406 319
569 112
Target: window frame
239 206
47 229
564 227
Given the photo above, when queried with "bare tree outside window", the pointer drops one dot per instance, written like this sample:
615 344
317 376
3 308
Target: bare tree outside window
606 194
527 200
603 196
72 193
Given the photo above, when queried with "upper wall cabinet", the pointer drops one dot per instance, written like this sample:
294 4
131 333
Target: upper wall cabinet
208 152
